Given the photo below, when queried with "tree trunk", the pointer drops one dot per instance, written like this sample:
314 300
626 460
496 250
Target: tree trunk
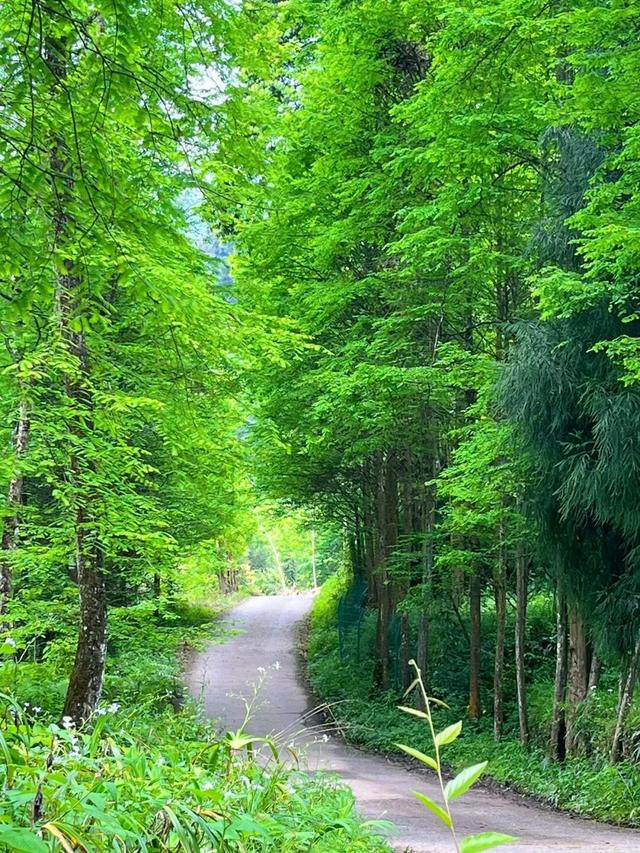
557 739
277 560
405 654
14 504
577 680
624 706
500 595
522 591
388 535
422 658
475 590
594 672
85 683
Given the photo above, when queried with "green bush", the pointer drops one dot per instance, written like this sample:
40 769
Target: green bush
169 784
587 786
146 777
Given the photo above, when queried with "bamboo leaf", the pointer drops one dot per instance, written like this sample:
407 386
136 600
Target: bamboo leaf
433 807
464 780
414 712
415 753
484 841
449 734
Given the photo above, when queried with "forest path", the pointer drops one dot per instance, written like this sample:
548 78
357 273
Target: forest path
268 628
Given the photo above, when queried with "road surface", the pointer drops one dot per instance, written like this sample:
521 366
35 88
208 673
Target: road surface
265 650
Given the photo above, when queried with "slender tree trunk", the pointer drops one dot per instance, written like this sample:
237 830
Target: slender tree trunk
500 596
577 679
558 725
313 559
387 523
475 592
594 672
405 654
428 524
85 683
624 705
277 560
14 504
522 592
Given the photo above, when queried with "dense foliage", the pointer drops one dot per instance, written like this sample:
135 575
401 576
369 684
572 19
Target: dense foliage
125 494
425 348
441 198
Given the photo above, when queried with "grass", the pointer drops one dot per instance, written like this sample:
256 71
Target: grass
589 787
151 775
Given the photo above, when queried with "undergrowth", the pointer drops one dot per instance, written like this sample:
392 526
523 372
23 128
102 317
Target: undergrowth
150 775
590 787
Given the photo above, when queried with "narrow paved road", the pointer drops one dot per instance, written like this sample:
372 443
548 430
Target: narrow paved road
267 640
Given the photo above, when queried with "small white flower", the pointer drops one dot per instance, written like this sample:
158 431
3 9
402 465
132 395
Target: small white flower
160 761
276 665
9 641
36 709
262 670
207 786
67 723
227 795
325 738
113 708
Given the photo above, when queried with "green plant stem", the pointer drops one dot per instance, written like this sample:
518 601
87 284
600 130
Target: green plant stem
427 706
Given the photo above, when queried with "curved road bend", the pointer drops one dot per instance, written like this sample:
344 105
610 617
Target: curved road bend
268 625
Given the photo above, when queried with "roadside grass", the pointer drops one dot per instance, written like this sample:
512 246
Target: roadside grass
150 774
589 787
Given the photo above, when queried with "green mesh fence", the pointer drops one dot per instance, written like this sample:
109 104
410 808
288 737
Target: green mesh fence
351 611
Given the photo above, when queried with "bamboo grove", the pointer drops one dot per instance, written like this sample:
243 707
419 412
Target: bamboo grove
441 201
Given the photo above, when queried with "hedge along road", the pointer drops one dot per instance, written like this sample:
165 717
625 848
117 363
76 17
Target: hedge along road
265 649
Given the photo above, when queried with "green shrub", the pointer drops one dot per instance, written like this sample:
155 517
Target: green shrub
166 784
587 786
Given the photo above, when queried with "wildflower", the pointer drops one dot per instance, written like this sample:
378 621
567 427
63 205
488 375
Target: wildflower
207 786
276 665
9 641
36 709
113 708
67 723
261 670
160 761
227 795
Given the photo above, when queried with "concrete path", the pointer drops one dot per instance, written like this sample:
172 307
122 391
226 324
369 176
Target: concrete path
266 650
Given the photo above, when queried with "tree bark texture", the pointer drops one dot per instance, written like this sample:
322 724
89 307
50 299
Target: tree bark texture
15 491
475 592
624 705
85 683
558 725
522 592
500 596
577 679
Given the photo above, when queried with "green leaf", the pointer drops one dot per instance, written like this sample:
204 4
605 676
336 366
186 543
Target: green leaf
22 839
484 841
449 734
414 712
437 810
415 753
464 780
